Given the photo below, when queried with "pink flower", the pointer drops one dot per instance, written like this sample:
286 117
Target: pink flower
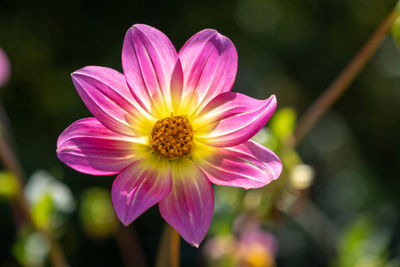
168 127
254 248
257 248
4 68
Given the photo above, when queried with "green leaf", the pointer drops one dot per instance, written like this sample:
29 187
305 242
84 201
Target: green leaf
31 248
8 184
363 244
97 213
42 210
396 26
283 122
396 30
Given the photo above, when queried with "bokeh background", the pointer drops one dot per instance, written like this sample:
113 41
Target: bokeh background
290 48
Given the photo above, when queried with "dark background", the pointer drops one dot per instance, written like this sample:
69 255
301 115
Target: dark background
291 48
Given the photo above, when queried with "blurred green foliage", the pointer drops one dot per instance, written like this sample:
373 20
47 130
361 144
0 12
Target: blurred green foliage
97 213
289 48
50 200
31 248
42 210
8 184
362 245
283 122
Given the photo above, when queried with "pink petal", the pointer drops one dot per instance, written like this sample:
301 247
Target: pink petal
248 165
138 188
151 64
189 207
209 62
106 95
88 147
232 118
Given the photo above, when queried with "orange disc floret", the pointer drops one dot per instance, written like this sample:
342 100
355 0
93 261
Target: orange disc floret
172 137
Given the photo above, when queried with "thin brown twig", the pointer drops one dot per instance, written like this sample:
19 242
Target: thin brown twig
313 221
11 163
343 80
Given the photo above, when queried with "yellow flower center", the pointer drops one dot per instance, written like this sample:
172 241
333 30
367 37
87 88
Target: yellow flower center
172 137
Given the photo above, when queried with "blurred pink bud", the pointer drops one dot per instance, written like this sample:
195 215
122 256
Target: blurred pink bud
220 246
257 248
253 248
4 68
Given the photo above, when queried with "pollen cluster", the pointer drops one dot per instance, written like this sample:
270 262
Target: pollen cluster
172 137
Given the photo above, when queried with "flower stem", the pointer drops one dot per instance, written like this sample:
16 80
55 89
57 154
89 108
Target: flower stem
129 247
175 244
10 162
343 80
168 251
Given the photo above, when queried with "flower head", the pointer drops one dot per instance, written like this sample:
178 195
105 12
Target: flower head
4 68
168 127
253 248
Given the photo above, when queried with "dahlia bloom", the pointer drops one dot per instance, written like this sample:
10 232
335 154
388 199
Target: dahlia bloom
169 127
